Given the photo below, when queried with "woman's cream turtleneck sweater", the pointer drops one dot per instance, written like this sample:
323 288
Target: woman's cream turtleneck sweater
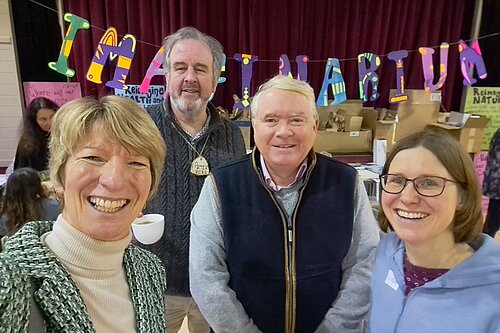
97 269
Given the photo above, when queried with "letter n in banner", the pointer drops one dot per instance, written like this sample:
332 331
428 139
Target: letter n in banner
285 70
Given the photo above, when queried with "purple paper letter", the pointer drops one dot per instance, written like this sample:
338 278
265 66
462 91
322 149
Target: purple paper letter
470 57
428 66
398 57
246 78
108 47
367 75
301 60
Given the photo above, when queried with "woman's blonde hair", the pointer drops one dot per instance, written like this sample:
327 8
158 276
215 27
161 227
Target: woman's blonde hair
120 118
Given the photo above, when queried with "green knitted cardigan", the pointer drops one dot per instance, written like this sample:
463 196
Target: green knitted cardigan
27 263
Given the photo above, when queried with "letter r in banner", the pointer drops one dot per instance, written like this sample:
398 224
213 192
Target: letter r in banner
368 75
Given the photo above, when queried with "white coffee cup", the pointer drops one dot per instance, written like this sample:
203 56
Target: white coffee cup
148 228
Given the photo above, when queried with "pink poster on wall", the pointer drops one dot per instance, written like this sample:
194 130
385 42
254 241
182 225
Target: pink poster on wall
480 160
58 92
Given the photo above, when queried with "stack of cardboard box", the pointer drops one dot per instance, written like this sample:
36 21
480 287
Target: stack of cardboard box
468 132
340 129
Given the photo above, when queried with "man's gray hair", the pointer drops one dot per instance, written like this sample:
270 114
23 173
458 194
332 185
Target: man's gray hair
193 33
289 84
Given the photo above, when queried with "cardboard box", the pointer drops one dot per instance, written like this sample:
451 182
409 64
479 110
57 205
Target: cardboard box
245 128
381 129
344 142
470 135
421 109
352 123
351 107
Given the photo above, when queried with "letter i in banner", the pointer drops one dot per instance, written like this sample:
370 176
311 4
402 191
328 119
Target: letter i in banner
333 77
246 78
368 75
76 23
397 57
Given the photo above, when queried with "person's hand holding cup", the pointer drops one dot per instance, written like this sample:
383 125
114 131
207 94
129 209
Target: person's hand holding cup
148 229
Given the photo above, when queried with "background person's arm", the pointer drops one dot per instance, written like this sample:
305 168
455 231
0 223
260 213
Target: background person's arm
208 272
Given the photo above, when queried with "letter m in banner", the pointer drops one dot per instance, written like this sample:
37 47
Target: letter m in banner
109 47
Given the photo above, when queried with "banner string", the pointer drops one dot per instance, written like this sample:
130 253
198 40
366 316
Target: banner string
273 60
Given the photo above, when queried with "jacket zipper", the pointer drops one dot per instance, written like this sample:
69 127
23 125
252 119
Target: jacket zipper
290 274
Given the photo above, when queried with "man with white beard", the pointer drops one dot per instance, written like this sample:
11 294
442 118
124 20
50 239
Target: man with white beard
197 140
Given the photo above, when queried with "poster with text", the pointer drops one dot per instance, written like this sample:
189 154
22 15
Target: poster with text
480 160
485 101
58 92
154 95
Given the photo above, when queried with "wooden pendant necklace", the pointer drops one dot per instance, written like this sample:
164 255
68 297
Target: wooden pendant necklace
199 166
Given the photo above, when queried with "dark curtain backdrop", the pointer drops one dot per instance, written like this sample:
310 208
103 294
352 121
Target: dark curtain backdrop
38 39
490 24
319 29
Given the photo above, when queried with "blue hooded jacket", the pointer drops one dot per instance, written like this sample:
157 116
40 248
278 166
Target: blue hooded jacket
466 299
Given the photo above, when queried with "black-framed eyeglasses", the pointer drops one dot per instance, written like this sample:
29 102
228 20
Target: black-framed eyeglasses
427 186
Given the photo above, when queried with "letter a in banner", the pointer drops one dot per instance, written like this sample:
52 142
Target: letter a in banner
333 77
153 70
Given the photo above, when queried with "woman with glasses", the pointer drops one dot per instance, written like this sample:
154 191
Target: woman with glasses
434 270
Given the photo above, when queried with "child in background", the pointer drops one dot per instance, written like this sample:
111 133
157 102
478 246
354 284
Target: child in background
24 200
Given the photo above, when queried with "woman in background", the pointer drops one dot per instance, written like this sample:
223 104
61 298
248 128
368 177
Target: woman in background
435 272
25 200
491 185
32 149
